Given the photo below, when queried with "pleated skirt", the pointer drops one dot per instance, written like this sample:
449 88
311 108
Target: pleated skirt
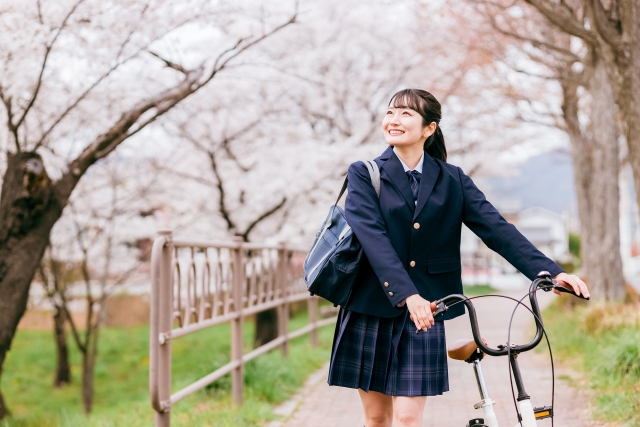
386 355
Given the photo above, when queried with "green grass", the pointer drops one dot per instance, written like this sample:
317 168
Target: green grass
607 356
121 392
480 289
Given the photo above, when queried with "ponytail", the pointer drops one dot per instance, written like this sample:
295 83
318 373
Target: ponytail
434 145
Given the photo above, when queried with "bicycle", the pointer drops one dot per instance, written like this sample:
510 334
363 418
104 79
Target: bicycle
473 350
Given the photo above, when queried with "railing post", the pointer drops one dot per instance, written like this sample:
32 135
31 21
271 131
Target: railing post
312 306
237 346
283 309
162 332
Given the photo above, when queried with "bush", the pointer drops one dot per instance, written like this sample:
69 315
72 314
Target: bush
603 342
623 359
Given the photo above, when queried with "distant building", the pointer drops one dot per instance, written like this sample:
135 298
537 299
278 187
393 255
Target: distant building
547 231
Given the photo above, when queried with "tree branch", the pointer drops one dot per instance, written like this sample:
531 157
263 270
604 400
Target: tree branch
605 28
170 64
134 120
262 217
560 17
217 68
222 207
42 140
6 100
47 51
539 44
74 330
80 98
198 179
39 8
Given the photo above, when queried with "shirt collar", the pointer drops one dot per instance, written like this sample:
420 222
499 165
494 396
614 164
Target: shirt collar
418 167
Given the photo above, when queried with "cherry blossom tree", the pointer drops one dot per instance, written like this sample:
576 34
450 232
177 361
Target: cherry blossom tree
587 117
609 28
79 78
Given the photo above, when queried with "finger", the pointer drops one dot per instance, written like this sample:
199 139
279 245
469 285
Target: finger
417 323
430 314
422 313
428 317
417 319
567 282
583 287
574 285
431 319
557 292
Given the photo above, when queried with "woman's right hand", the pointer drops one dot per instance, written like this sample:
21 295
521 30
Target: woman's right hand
420 310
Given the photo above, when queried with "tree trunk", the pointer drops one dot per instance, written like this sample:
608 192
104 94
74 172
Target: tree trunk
596 169
4 410
87 382
88 367
266 327
618 39
628 97
28 211
63 369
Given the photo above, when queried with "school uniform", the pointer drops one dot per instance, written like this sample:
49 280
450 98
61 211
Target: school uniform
411 240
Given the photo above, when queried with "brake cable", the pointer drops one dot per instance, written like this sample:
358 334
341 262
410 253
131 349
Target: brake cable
520 303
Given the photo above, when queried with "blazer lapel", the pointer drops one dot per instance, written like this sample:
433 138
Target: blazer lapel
396 173
430 172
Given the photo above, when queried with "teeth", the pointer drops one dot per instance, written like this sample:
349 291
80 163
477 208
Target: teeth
396 131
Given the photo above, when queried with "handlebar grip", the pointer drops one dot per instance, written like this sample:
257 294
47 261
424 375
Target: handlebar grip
569 291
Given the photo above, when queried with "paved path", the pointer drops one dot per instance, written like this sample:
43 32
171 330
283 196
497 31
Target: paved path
324 406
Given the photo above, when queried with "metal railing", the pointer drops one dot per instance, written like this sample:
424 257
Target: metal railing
199 284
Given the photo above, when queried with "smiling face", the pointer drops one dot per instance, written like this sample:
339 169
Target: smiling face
403 126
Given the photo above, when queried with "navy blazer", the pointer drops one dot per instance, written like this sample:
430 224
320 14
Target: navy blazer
415 249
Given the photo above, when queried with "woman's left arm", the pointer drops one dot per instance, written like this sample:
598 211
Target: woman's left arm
504 238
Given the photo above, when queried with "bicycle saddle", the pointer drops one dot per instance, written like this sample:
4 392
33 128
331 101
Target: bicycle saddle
463 349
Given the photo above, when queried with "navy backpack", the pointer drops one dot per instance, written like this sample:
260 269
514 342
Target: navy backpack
331 266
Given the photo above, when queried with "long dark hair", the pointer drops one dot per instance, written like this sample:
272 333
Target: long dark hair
429 108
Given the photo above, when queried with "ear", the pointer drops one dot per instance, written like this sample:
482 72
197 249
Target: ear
429 130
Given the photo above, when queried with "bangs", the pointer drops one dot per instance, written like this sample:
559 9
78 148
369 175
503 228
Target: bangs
407 98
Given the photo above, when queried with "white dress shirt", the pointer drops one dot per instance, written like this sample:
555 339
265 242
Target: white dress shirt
418 167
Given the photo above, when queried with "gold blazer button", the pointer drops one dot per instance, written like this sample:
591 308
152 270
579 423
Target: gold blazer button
412 263
386 284
416 225
390 294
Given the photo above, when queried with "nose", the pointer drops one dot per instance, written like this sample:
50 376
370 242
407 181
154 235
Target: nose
394 119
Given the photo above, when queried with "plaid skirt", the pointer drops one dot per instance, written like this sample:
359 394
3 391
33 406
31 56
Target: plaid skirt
386 355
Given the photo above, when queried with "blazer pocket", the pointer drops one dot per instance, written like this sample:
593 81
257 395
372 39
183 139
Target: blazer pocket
443 265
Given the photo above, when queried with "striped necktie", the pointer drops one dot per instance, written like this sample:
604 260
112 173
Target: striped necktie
414 181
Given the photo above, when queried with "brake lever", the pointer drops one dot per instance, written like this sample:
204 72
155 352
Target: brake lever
440 308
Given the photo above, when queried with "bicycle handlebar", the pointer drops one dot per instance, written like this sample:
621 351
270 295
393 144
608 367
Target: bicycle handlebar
543 281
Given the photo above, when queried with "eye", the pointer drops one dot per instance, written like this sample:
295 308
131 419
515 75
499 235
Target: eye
407 113
389 112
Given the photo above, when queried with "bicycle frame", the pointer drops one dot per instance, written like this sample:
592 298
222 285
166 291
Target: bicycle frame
527 412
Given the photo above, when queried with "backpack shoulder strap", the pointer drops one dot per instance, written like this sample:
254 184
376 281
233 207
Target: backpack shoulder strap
374 172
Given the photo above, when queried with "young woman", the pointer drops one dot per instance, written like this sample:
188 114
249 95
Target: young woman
411 238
